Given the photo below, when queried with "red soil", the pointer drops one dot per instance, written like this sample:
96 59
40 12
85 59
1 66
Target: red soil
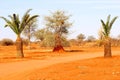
77 63
90 69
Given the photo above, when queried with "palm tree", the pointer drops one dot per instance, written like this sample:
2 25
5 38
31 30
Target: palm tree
106 34
18 26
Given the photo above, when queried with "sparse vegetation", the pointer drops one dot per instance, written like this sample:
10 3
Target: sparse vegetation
73 42
59 45
90 39
58 23
80 39
46 38
6 42
39 35
29 30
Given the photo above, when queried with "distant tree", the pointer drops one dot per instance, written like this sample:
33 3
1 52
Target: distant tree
100 37
106 34
18 26
100 34
115 42
45 36
30 29
39 34
81 37
48 40
91 38
73 42
59 24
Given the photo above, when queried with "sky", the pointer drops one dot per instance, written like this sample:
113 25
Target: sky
86 14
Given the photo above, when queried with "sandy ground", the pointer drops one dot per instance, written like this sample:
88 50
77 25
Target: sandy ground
72 65
90 69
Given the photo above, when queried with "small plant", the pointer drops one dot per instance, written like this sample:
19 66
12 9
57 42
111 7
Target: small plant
6 42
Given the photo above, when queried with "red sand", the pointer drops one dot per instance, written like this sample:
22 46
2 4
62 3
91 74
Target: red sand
76 64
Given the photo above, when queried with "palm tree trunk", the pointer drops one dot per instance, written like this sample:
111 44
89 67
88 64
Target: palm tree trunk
107 48
19 47
58 46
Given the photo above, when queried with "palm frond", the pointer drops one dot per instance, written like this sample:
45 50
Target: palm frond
16 19
11 24
24 18
32 18
6 20
107 27
108 20
26 14
112 21
23 22
14 27
104 27
15 24
27 21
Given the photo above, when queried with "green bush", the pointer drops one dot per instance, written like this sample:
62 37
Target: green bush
6 42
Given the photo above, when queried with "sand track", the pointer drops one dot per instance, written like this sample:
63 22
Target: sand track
18 70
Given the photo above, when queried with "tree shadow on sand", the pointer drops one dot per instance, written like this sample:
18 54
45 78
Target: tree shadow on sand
74 50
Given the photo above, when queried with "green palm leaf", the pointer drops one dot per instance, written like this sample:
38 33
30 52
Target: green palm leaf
107 27
16 25
112 21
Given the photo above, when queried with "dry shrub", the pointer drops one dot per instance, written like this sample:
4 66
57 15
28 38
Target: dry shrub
65 43
115 42
73 42
25 41
91 44
6 42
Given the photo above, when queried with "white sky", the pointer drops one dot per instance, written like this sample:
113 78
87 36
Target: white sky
86 14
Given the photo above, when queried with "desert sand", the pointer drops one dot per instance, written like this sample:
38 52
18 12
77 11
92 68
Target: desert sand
78 63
